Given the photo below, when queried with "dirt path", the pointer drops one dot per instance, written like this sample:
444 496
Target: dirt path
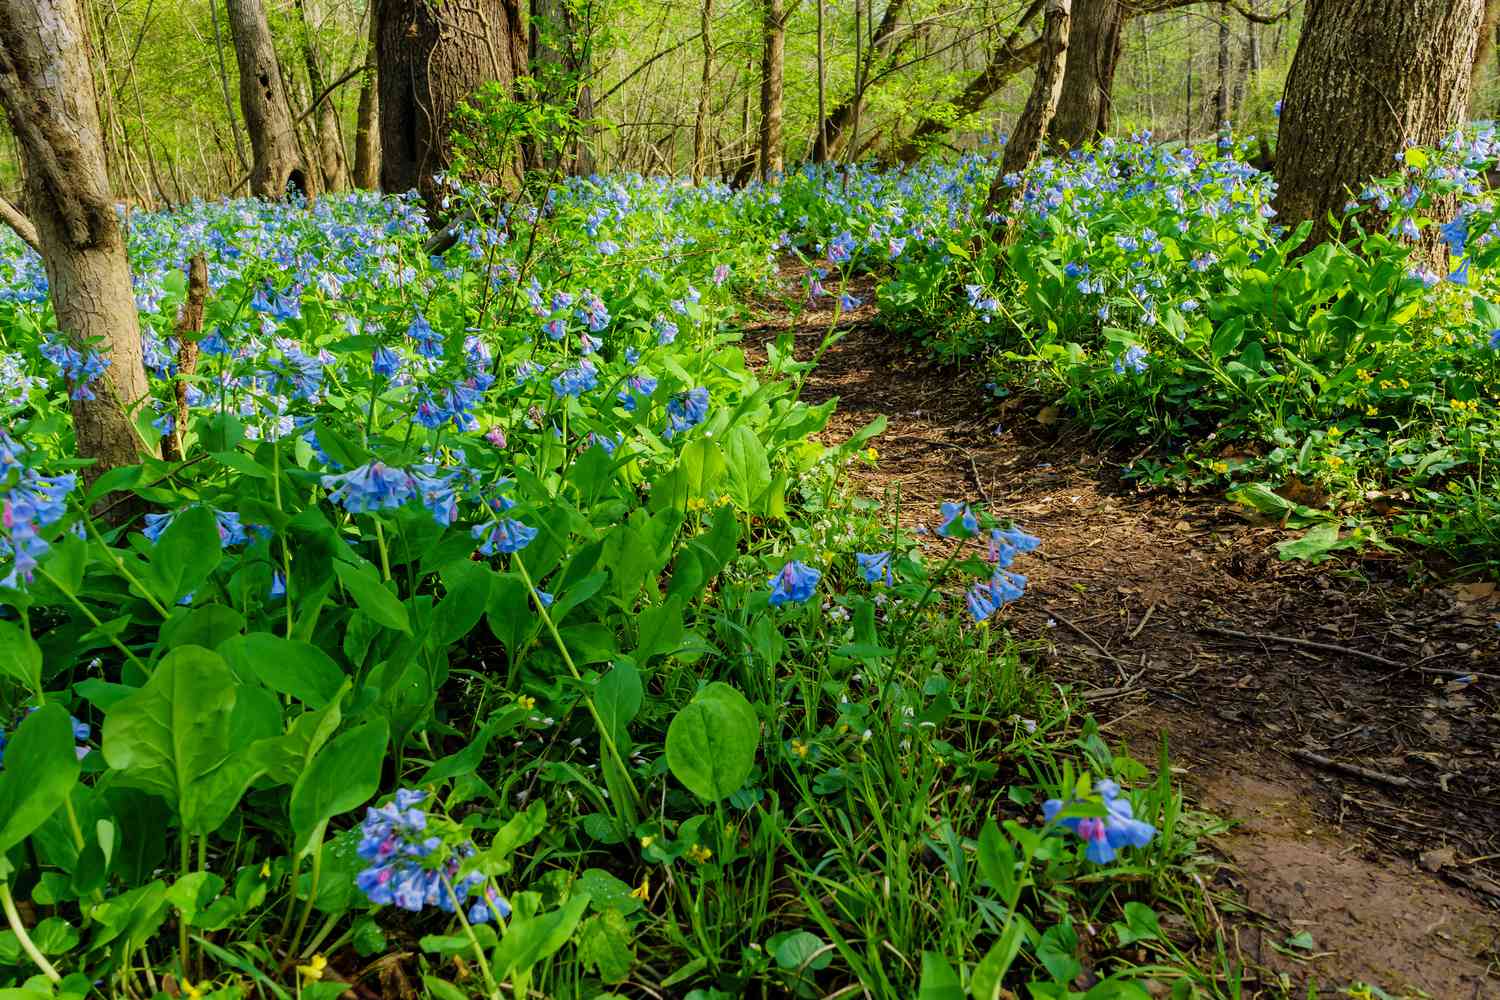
1395 872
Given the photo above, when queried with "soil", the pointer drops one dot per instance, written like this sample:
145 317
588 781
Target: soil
1359 767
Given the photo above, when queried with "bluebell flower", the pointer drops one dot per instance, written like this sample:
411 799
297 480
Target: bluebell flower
685 411
961 513
875 566
576 381
385 362
1460 274
1104 835
1134 359
637 388
429 342
373 486
1495 340
796 582
503 535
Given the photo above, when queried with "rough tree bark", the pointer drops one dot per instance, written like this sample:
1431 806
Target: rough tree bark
17 221
432 56
47 91
189 321
1025 142
366 124
1486 47
772 78
561 63
1083 110
276 154
1222 108
1368 77
333 164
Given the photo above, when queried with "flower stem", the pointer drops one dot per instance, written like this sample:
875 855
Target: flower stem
19 929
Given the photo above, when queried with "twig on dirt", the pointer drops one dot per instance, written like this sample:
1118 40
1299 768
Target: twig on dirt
1354 770
1144 619
979 483
1287 640
1077 628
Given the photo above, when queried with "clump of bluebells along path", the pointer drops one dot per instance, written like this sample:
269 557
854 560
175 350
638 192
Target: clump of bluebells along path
499 615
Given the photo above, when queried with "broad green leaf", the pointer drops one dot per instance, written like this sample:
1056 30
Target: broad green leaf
526 944
939 981
605 945
468 594
20 657
173 738
286 666
711 742
185 554
40 770
372 596
618 698
748 466
660 628
343 776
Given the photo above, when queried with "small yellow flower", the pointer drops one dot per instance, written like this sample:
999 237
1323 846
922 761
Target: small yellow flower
313 970
723 500
194 992
699 853
696 504
647 841
1372 411
642 891
1386 385
1219 467
265 868
1363 375
872 454
1334 461
1334 432
526 702
799 748
1404 384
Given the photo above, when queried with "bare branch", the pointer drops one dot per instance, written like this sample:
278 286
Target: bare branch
16 219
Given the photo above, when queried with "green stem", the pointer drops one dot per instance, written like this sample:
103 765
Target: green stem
114 640
286 555
484 965
19 929
124 570
385 559
312 895
633 807
182 927
911 619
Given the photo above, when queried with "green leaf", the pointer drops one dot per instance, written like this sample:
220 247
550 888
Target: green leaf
798 951
748 466
527 943
939 981
661 629
173 738
467 760
286 666
468 594
1140 924
1320 540
618 699
284 758
40 770
1057 951
997 859
604 944
711 742
20 657
185 554
343 776
372 596
987 982
208 626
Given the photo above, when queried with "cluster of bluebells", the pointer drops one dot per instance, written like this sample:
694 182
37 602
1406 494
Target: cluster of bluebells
415 860
795 584
29 503
1104 836
1003 545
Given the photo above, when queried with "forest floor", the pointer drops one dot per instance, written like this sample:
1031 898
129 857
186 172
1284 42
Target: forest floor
1358 767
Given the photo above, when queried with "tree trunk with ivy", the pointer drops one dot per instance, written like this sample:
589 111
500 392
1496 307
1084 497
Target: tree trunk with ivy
1369 78
47 92
366 124
1025 143
432 56
772 82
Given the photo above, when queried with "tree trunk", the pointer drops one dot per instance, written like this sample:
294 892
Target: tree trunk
332 161
366 126
772 74
1025 141
700 121
47 91
189 321
1368 77
561 64
1486 47
1221 96
820 140
277 162
1083 110
432 57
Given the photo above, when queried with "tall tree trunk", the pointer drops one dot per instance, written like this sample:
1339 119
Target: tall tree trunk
772 75
1486 47
884 41
561 64
332 161
432 57
366 121
700 121
234 122
47 91
1025 142
276 155
1368 77
1083 110
1221 96
820 140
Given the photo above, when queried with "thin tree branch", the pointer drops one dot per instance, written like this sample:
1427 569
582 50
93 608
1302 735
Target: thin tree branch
16 219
